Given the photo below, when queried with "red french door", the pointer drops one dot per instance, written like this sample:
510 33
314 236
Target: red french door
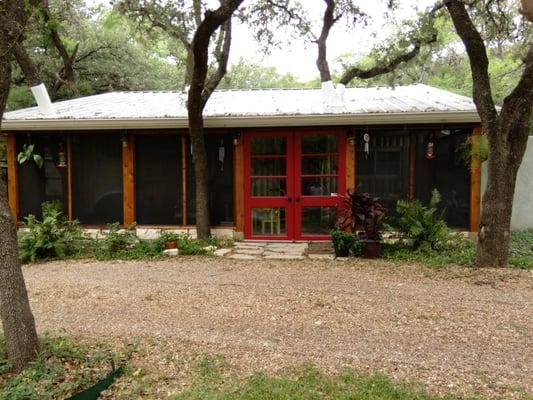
291 181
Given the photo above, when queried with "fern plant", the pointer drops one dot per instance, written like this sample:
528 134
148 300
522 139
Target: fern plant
420 223
53 237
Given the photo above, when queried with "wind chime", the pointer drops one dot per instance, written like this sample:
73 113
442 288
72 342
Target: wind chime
366 140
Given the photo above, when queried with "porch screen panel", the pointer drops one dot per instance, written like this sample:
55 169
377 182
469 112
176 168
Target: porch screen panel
220 160
447 171
97 178
158 182
383 169
48 183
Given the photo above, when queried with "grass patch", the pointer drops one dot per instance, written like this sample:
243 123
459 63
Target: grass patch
64 367
462 251
307 384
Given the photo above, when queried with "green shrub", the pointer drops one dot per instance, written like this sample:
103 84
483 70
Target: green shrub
53 237
521 248
346 243
421 224
123 244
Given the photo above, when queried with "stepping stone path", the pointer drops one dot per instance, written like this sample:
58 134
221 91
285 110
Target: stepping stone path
272 251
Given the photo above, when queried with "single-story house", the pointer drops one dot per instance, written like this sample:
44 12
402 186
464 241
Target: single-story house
277 157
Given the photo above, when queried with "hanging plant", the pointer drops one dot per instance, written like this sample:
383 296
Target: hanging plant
476 149
27 155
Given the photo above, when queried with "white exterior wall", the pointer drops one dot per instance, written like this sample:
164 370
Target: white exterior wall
523 195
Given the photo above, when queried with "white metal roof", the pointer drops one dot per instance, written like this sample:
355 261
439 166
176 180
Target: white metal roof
246 108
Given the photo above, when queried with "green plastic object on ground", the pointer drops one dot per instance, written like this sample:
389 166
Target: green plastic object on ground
93 393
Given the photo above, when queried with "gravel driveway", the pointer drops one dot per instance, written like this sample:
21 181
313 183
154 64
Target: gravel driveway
457 330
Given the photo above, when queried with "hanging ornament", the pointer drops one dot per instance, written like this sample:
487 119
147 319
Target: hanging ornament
430 151
61 156
221 154
366 139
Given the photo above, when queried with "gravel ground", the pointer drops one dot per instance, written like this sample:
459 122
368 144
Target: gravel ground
455 330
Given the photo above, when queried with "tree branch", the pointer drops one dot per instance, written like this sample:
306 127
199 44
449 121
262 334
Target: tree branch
479 62
328 22
26 65
386 67
222 56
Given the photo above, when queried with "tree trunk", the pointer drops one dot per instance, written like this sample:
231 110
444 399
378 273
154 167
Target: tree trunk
18 324
201 173
495 222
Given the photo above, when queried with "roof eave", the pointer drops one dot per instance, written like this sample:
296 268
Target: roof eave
443 117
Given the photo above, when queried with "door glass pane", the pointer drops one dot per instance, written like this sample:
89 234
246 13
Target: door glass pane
318 220
268 145
316 144
269 221
269 166
319 186
269 187
315 165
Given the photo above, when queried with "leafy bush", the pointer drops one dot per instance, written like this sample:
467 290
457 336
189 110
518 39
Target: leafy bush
346 243
123 244
362 211
53 237
421 224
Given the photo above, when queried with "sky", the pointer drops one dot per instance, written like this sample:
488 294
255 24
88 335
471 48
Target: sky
297 56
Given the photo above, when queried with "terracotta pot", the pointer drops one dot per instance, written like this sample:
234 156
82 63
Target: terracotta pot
372 249
171 244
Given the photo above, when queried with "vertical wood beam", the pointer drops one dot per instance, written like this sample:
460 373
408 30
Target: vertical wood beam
412 162
238 178
350 163
12 176
184 178
69 177
128 179
475 184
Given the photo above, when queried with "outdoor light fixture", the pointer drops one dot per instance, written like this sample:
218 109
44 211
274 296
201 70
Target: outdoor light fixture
236 138
61 156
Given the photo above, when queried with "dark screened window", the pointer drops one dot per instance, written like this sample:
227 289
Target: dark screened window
48 183
97 178
383 166
220 157
158 179
440 164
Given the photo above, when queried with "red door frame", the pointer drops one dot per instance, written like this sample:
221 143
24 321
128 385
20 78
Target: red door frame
251 202
293 201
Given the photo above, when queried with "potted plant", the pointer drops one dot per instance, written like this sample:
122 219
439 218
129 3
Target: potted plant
169 240
343 242
363 213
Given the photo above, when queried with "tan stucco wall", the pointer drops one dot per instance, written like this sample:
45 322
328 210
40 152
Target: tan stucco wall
523 196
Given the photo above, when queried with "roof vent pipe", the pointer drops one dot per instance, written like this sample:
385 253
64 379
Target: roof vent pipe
43 99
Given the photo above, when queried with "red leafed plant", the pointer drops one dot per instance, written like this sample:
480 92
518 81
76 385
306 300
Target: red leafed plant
361 211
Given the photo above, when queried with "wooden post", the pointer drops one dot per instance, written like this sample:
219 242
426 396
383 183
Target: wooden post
128 178
12 175
184 178
69 177
238 178
475 184
350 163
412 162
